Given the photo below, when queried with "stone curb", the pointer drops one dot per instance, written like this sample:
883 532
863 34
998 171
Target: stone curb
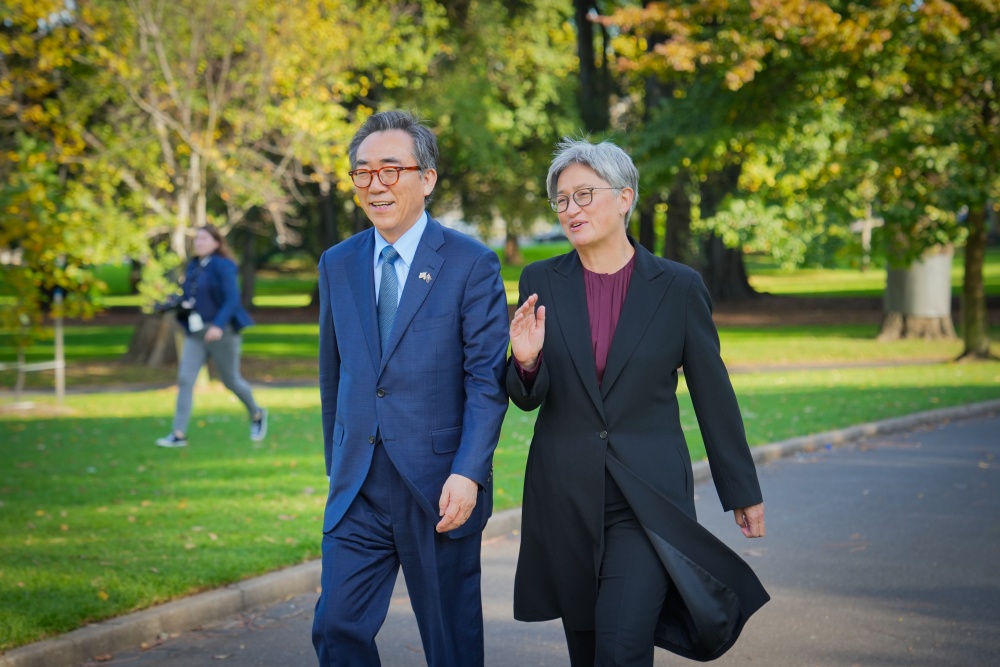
131 631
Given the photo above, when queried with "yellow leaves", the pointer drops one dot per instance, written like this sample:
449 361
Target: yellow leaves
741 74
103 595
34 114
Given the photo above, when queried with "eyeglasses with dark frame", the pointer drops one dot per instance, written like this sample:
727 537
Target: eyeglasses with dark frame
582 197
362 178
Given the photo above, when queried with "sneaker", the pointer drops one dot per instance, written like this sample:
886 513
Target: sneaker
172 441
258 427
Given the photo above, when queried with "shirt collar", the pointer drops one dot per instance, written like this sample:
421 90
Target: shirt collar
405 245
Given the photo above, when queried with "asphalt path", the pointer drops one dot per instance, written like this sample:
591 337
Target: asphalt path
880 553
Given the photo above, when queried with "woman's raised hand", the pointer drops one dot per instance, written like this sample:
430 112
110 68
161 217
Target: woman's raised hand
527 333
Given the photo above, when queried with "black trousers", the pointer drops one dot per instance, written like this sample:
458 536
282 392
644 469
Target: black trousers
632 586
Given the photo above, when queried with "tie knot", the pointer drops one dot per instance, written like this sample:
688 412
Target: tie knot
389 254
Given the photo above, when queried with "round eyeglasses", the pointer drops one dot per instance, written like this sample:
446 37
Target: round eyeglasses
386 175
582 197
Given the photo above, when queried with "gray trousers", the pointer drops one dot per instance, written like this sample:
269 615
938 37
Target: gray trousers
225 352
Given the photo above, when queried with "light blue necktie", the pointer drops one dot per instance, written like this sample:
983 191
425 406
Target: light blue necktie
388 295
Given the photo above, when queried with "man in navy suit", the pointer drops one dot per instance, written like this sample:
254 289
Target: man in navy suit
413 338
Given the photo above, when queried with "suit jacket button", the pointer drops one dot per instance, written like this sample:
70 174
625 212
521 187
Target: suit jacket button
380 393
604 435
371 440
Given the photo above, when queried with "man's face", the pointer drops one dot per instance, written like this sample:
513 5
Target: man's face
393 209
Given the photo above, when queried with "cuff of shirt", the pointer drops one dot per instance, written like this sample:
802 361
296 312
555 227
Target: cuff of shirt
528 377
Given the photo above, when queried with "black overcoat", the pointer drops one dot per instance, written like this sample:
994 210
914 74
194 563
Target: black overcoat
630 425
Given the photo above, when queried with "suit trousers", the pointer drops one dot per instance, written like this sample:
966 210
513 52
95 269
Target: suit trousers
632 586
383 529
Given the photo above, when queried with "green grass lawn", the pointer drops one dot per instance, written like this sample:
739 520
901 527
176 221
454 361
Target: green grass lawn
95 521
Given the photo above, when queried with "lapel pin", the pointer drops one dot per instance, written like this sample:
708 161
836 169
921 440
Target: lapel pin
426 277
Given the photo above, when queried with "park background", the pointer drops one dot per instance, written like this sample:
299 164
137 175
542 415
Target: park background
829 167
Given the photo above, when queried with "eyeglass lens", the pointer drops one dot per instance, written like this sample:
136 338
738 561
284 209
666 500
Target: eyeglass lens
386 175
581 197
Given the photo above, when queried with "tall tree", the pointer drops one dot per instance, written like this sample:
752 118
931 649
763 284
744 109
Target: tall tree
58 211
501 96
910 82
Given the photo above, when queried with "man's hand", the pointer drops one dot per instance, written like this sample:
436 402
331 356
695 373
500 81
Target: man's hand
458 499
750 520
527 333
213 333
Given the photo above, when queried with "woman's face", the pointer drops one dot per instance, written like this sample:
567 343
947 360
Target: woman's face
598 222
204 244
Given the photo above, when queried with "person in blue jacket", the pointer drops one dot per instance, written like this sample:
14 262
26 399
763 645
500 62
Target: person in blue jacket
212 317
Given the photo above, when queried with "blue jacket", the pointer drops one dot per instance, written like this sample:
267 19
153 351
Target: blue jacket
218 294
435 397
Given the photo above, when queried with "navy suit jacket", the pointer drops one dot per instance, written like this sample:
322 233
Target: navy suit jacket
436 397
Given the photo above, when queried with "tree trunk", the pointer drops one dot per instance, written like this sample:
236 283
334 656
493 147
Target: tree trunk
512 251
677 239
917 302
654 91
153 342
723 269
975 328
134 275
594 111
647 230
725 273
329 234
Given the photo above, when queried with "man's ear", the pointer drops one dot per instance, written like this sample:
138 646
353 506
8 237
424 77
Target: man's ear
430 177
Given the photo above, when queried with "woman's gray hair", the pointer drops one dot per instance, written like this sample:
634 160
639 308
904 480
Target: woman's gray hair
425 148
607 160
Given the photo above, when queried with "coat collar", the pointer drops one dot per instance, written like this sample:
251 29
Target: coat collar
645 292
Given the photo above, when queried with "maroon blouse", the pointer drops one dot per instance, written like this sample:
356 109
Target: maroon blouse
605 297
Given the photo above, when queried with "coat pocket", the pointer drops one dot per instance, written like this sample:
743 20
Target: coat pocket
433 322
446 440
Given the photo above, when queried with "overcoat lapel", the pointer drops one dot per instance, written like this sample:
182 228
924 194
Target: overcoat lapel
426 262
361 278
569 303
645 292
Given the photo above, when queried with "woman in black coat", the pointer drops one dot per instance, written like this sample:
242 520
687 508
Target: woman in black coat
609 539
